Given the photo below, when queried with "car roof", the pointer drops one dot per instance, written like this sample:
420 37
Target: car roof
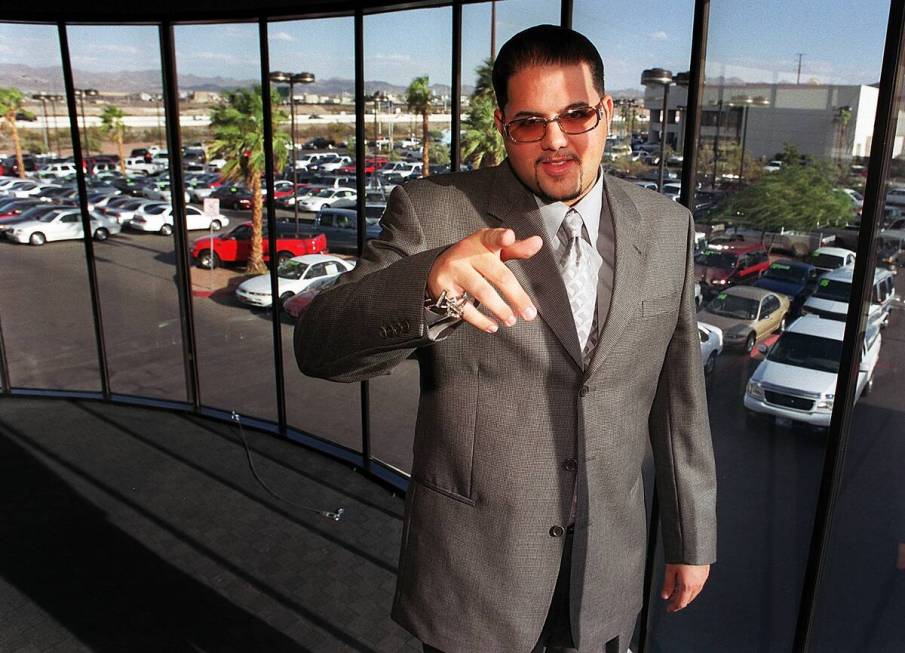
813 325
792 263
833 251
314 259
748 291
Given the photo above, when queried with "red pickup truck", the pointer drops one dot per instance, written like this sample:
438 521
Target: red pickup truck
234 246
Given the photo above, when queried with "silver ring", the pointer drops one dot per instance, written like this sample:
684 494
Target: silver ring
454 305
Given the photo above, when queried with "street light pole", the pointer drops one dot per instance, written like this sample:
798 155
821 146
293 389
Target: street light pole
42 98
746 102
53 99
716 138
664 78
81 93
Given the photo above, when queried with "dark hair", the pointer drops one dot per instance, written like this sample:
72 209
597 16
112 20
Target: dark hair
544 45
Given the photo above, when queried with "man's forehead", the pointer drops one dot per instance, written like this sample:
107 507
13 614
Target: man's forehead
544 88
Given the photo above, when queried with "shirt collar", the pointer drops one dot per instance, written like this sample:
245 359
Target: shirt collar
589 208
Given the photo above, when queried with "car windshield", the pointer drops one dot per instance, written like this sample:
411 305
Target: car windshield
727 305
292 270
784 272
156 210
49 217
713 259
33 213
327 192
811 352
837 291
827 261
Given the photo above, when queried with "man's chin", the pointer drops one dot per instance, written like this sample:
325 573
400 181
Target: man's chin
563 191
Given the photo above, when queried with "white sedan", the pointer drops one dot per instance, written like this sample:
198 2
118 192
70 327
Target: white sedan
159 218
294 276
64 224
326 197
711 345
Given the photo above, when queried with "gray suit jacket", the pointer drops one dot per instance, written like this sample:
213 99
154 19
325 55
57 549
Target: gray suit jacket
500 414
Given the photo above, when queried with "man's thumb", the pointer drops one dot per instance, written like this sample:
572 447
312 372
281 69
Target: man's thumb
497 239
669 586
522 248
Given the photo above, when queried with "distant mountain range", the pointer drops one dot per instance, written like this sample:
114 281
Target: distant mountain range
33 79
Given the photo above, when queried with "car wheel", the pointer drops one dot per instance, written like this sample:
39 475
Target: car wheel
285 297
750 342
101 234
166 230
782 325
37 238
208 259
282 257
710 364
215 225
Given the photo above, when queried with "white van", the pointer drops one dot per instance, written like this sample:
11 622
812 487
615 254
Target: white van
797 379
834 289
56 170
830 258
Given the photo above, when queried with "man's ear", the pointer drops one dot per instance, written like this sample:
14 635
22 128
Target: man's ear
498 121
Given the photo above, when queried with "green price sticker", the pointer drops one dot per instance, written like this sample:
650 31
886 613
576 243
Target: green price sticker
780 266
824 283
722 295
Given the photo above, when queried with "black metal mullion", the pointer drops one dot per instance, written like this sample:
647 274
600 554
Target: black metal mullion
360 205
455 125
565 13
840 426
693 102
83 204
177 192
4 366
276 308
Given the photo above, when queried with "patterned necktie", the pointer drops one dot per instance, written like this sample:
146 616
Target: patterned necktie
579 262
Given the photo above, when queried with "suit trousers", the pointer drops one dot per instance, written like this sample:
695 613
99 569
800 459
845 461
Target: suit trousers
556 635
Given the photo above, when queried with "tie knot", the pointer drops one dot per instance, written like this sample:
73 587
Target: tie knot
572 223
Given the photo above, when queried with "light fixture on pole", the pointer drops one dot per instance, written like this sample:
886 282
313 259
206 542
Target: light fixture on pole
279 77
664 78
53 99
81 93
746 102
681 79
42 98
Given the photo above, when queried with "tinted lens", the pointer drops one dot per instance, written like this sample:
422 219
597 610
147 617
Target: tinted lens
579 120
527 129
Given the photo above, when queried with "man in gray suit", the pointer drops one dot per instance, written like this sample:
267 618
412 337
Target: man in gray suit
551 310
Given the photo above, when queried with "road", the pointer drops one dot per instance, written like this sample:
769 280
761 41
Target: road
768 473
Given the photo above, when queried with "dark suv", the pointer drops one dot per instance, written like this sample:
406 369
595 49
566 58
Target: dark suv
731 265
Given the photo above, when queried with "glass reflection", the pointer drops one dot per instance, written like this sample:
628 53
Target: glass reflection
315 192
128 191
223 165
408 83
48 323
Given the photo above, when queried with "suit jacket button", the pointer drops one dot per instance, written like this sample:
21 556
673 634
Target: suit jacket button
557 531
584 391
570 465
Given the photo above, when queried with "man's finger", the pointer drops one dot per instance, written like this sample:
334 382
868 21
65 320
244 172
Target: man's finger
478 320
497 239
669 586
522 249
479 288
503 279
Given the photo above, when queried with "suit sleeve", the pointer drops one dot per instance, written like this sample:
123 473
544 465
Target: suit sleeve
681 441
374 317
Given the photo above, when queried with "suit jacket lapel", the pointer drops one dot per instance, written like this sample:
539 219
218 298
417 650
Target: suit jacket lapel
515 206
630 255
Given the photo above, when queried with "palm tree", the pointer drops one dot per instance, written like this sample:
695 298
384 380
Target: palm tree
482 144
418 99
10 104
238 128
112 124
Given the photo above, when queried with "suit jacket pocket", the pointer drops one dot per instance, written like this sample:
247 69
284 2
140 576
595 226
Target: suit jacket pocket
658 305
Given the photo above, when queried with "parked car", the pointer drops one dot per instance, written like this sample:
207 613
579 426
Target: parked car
895 196
327 197
830 258
159 218
7 224
746 315
15 206
834 290
293 276
794 279
711 345
732 265
233 196
125 211
797 379
234 246
340 226
62 224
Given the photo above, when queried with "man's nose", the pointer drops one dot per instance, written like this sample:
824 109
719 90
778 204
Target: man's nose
554 137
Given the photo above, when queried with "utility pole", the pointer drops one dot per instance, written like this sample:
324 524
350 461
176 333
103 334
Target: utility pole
798 78
493 30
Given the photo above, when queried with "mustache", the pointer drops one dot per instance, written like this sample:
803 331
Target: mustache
566 156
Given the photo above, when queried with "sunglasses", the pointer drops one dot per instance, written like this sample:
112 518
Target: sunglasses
573 121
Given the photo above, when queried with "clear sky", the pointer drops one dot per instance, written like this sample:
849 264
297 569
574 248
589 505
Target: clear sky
757 41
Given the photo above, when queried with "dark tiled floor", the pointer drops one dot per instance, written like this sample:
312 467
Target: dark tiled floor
129 529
